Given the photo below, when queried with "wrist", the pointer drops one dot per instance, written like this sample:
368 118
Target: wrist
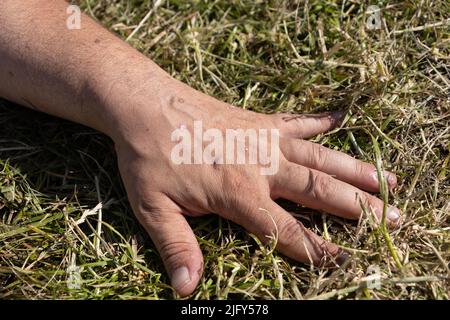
127 93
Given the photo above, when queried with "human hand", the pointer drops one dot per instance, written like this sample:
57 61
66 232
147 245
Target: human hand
162 192
98 80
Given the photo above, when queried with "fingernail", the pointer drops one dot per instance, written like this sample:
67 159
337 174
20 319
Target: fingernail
374 176
390 178
342 257
393 214
180 277
338 117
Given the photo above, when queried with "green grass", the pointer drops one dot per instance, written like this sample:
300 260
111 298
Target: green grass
267 56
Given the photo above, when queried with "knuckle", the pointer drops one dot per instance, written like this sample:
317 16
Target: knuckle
369 203
276 119
319 186
373 203
290 230
318 156
237 184
146 205
237 205
288 124
361 169
291 171
175 253
235 180
151 210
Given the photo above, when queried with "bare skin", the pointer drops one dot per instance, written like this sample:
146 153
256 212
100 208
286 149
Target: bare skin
92 77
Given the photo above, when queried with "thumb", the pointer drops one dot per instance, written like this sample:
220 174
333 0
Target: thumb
175 241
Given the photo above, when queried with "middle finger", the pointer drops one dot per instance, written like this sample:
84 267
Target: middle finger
318 190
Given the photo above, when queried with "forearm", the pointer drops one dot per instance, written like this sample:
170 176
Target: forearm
86 75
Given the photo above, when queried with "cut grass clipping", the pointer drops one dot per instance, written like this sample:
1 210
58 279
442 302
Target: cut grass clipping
67 230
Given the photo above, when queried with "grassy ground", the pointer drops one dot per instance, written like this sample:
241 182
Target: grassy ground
269 56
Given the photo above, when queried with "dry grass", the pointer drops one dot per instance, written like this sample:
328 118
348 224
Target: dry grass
268 56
